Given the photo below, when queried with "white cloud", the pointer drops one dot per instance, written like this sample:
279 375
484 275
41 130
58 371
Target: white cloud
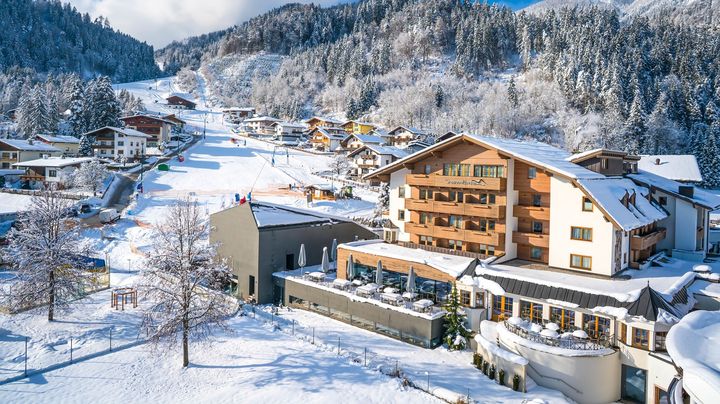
159 22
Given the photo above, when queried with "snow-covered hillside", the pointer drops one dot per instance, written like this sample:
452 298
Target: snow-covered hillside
688 11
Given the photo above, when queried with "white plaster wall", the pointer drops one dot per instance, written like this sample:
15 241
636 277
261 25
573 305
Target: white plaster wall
685 225
511 221
565 212
669 223
661 372
397 180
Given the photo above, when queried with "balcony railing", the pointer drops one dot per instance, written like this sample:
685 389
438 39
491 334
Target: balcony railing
456 208
643 242
442 250
569 342
453 233
532 239
532 212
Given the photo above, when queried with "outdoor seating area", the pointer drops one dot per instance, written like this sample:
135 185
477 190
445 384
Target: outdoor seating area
550 335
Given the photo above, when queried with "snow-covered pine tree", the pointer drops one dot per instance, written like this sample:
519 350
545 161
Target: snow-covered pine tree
635 125
184 281
86 142
383 203
102 105
78 114
33 113
512 93
709 158
90 176
456 334
47 252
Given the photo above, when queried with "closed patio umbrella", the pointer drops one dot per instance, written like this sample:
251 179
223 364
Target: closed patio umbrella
333 252
325 265
302 260
410 286
379 274
350 268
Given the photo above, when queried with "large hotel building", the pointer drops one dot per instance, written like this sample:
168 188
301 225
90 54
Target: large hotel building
576 265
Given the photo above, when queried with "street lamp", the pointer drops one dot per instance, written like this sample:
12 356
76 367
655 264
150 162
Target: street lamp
205 125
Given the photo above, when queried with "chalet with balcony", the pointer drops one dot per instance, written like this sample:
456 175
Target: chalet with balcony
288 132
118 143
236 115
68 144
17 151
323 122
327 139
403 136
178 124
370 157
180 101
50 169
261 125
157 128
354 142
357 127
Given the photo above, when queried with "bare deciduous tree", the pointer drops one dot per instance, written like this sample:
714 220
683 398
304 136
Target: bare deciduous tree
90 176
183 280
340 165
47 252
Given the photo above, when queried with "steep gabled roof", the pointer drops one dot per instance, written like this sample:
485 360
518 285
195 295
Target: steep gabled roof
649 304
381 150
683 167
153 117
366 139
59 139
24 145
700 197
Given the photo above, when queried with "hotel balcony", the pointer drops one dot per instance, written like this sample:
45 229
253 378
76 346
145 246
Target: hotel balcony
643 242
454 208
532 212
442 181
532 239
452 233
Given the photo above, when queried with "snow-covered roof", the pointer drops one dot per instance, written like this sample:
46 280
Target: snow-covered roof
414 131
24 145
453 265
694 345
536 153
156 118
329 135
382 150
681 167
700 196
239 109
125 131
184 96
54 162
608 193
272 215
328 120
59 139
365 138
7 171
262 119
322 187
290 124
358 123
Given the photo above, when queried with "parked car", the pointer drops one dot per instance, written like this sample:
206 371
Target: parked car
108 215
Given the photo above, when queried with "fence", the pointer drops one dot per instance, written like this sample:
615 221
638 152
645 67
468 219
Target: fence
32 192
569 342
332 342
25 357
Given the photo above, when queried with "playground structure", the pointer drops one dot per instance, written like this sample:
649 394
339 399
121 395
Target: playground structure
120 297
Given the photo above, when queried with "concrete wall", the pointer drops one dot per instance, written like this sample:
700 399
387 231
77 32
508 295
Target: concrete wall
511 222
409 324
566 212
585 379
397 180
277 243
237 234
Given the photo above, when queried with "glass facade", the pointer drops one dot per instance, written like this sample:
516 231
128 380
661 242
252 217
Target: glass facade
563 317
596 327
531 311
434 290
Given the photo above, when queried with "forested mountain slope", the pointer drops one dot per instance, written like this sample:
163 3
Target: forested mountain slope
580 77
51 37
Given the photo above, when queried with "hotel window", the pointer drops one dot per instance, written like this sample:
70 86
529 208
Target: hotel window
663 200
587 205
456 170
455 245
537 200
622 334
52 173
596 327
401 191
488 171
640 338
455 221
426 240
660 341
581 233
485 249
487 225
425 218
580 262
465 170
537 227
120 143
563 317
426 194
428 169
465 298
604 164
502 308
479 299
487 199
456 196
531 311
536 253
401 214
532 172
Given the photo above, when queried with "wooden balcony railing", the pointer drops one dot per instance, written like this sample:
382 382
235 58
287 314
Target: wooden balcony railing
455 208
531 212
442 181
532 239
648 240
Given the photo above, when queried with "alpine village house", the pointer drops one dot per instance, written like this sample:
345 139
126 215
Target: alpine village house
571 267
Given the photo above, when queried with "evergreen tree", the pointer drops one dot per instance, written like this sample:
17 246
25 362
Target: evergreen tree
383 199
634 126
33 114
456 334
512 93
102 106
77 120
439 96
709 159
86 142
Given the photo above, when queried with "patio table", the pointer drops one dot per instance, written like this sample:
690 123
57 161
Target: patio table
341 284
367 290
391 298
423 305
316 276
409 296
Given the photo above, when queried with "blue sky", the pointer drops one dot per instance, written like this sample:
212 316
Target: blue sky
159 22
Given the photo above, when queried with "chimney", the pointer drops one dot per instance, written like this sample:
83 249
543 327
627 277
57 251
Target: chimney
657 162
687 190
30 141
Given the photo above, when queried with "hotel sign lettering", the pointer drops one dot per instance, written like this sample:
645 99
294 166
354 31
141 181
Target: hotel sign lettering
467 182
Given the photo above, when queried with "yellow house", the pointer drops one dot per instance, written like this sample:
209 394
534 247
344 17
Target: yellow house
358 128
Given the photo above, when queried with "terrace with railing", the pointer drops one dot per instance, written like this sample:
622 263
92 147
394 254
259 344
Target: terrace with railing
577 340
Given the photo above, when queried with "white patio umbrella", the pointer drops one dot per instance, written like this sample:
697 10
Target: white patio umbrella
333 252
325 265
350 268
302 259
410 285
379 274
